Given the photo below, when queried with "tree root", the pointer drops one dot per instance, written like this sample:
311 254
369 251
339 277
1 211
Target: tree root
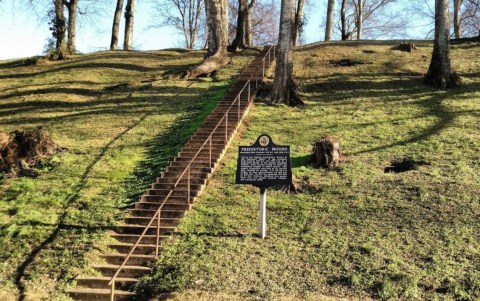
207 66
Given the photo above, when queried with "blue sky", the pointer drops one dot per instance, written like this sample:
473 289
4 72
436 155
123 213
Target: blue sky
24 34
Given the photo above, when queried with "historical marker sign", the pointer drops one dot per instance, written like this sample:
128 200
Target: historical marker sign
264 164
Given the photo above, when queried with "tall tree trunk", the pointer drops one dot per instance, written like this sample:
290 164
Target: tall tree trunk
217 57
129 16
239 42
284 89
248 25
440 73
298 22
329 26
116 25
72 26
457 4
343 20
61 29
359 19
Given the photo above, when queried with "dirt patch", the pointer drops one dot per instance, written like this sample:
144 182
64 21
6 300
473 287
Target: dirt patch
345 63
403 165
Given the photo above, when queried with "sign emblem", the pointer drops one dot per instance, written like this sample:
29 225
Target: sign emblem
264 140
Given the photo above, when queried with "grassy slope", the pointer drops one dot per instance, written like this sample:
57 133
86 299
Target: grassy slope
356 231
119 138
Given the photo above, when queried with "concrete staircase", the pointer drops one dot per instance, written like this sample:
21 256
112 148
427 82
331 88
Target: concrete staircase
172 194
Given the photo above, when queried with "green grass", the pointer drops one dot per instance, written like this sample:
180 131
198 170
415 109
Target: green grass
123 118
355 231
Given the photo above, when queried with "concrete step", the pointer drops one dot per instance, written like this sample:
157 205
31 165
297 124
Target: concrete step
97 282
167 206
142 249
193 169
133 238
189 151
177 192
139 220
138 229
97 294
128 271
193 175
183 181
171 199
134 259
150 213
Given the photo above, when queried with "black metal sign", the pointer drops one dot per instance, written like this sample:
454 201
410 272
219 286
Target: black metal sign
264 164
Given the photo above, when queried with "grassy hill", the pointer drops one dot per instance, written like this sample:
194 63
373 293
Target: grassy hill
356 232
122 119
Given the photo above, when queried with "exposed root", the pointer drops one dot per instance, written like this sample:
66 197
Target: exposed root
207 66
22 150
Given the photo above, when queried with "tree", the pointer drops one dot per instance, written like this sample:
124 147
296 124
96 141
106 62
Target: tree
329 24
298 21
262 19
469 19
116 25
72 25
344 26
239 41
60 31
129 16
370 18
183 15
441 73
466 17
248 24
456 18
359 19
217 57
284 89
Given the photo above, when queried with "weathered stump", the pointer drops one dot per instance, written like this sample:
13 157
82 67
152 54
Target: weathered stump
326 152
408 47
22 150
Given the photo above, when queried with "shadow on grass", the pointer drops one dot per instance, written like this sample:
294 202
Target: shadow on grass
71 199
300 160
72 67
337 88
111 106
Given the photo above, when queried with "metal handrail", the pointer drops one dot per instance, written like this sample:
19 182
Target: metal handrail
157 214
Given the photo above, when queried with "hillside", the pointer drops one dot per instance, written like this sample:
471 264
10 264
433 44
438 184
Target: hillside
122 118
355 232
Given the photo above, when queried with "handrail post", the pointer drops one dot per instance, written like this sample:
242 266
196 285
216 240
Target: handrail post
112 292
188 185
238 101
210 152
269 56
226 127
248 90
274 51
158 233
263 69
256 78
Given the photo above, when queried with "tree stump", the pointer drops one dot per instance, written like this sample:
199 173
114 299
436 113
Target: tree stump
326 152
21 150
408 47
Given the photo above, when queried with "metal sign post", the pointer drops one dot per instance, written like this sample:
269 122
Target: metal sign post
263 213
264 164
